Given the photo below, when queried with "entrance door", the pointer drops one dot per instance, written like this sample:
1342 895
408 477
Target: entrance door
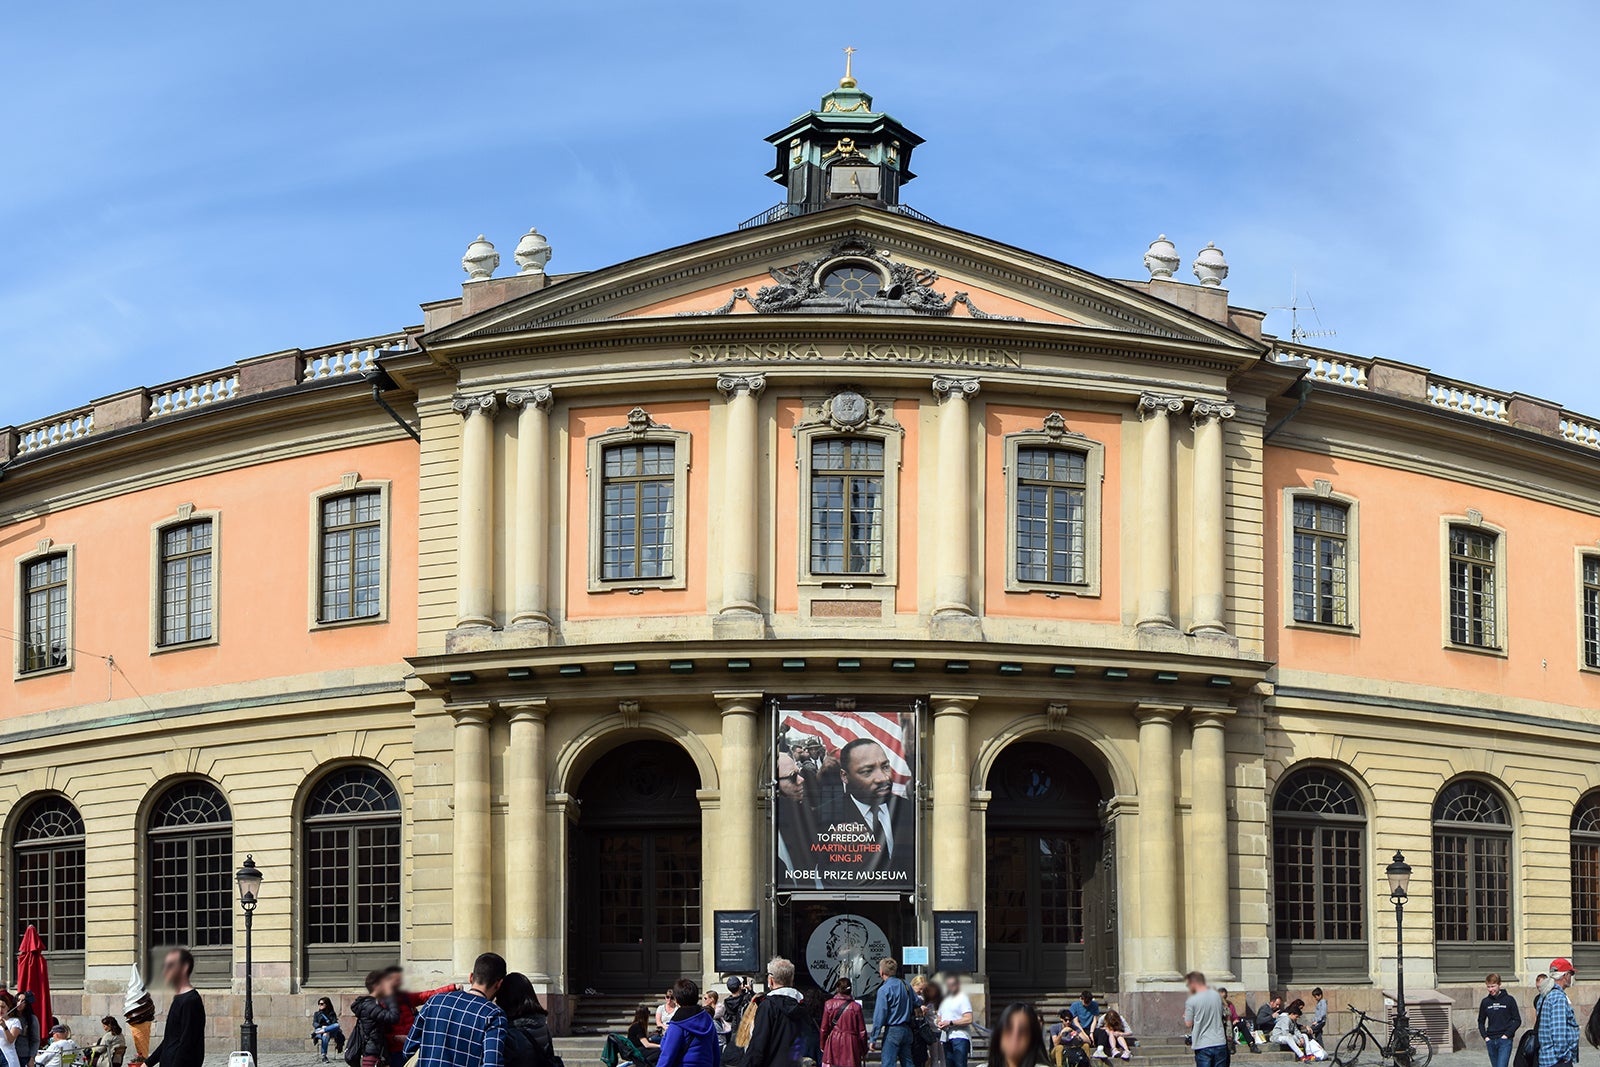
1046 901
635 871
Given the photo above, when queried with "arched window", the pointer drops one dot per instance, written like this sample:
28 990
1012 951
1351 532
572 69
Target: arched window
191 876
48 885
352 873
1471 880
1319 876
1586 878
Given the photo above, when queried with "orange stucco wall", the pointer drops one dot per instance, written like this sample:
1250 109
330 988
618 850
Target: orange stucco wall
1104 428
787 545
1401 577
693 417
262 582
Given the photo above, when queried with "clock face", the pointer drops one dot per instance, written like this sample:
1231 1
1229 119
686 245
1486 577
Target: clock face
854 181
850 409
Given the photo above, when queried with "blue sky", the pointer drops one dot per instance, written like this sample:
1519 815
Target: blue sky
189 184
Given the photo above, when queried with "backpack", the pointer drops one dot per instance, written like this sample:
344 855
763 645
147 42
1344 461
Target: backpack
1527 1054
353 1047
1591 1029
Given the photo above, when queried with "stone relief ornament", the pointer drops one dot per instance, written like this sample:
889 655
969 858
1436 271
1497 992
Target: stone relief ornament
532 253
481 260
848 409
1161 260
1055 427
804 287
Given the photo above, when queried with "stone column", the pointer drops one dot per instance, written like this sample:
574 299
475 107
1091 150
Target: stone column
527 866
1208 848
531 552
951 840
470 848
740 492
475 514
1158 842
739 815
1155 509
1210 516
953 554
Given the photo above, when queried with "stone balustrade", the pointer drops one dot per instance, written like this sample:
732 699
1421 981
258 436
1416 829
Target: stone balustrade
275 372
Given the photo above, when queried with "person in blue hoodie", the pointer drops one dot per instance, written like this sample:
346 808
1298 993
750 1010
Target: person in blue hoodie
691 1038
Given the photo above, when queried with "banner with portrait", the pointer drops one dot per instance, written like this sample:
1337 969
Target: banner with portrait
844 798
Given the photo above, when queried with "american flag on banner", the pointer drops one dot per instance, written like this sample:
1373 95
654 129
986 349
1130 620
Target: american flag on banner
839 728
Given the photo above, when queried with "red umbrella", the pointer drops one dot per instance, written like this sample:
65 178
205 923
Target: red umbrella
33 976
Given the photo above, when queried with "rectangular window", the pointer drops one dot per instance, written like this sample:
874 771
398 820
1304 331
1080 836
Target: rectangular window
1051 516
1321 552
847 506
44 613
637 527
1473 558
186 572
351 557
1591 611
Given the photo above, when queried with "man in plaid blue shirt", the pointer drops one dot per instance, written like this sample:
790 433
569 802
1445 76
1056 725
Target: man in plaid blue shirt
1558 1024
463 1028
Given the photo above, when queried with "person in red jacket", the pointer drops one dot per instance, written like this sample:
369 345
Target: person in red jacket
408 1002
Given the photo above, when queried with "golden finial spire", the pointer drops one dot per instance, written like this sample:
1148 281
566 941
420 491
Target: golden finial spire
848 81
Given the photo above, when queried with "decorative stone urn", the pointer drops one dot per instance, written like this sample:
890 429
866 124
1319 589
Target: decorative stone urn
1209 266
481 260
1161 260
532 253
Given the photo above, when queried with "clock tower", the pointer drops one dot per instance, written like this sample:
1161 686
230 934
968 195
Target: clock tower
842 152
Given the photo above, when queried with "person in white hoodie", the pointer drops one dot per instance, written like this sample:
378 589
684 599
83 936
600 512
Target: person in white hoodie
1286 1032
62 1051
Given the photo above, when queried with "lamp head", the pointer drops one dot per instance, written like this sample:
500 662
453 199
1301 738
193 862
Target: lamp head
249 878
1399 872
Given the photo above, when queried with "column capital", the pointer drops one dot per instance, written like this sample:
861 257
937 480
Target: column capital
1208 716
731 385
1157 712
1202 410
738 703
525 709
470 712
481 404
951 703
955 388
531 396
1159 404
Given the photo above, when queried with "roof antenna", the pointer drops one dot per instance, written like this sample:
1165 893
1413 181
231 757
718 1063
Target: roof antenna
1297 333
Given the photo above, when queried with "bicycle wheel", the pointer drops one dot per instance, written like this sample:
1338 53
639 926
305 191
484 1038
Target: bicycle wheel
1348 1052
1421 1049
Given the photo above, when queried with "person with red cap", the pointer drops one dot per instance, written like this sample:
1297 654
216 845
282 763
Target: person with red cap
1558 1023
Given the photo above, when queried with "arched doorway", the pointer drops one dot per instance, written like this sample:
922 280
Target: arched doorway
1050 880
635 871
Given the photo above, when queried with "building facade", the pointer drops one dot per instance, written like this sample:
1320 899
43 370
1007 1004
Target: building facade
548 626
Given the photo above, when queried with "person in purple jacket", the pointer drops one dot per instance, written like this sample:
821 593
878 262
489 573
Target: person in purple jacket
691 1036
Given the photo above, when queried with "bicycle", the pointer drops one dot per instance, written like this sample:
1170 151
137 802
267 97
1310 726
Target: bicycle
1355 1044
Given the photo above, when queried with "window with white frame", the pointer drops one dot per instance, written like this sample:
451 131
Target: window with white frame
1321 561
350 556
638 506
186 576
46 612
1474 577
847 506
1590 623
1053 478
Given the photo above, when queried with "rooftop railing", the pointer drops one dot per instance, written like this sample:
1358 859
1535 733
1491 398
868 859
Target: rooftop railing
249 377
779 212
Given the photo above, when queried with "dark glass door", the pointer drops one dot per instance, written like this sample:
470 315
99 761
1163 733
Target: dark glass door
635 870
1036 907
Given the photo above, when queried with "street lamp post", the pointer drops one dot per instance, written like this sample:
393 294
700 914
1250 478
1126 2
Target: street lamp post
249 878
1399 872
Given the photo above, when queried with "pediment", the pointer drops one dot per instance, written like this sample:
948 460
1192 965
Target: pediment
907 267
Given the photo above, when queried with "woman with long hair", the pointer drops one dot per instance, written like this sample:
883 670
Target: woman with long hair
528 1042
639 1034
1020 1037
1117 1034
325 1027
844 1029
